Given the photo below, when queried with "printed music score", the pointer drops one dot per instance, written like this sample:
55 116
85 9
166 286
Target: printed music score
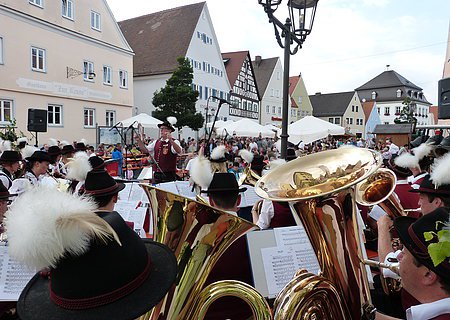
293 251
13 276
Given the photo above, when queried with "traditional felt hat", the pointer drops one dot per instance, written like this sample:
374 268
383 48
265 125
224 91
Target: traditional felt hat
100 183
224 183
434 140
443 147
10 156
80 146
412 231
399 170
40 156
168 123
4 193
54 151
418 141
290 154
427 186
67 149
97 163
108 281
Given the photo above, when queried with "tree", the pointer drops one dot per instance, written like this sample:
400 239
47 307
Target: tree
407 112
178 98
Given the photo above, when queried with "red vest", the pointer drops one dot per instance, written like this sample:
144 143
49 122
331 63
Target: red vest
409 200
163 155
282 215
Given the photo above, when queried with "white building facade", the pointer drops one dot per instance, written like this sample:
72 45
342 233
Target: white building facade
68 58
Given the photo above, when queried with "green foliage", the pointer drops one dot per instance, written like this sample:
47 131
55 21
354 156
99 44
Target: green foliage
178 98
407 112
9 132
439 251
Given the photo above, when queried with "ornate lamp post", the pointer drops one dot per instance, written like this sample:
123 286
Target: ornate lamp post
294 31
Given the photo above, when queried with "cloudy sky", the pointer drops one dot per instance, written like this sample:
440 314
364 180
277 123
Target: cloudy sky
352 41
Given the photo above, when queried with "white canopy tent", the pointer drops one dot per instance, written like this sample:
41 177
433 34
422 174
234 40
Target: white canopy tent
271 127
219 123
144 119
310 129
245 128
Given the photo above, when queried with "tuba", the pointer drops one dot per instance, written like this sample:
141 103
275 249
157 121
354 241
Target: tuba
319 188
248 177
198 234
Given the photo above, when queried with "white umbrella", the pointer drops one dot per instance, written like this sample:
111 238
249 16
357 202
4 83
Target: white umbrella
144 119
310 129
271 127
246 128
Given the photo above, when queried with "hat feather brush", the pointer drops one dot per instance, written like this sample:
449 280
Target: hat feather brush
41 234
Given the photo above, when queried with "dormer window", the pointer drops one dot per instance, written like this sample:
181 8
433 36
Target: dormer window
410 93
399 93
374 95
415 94
421 96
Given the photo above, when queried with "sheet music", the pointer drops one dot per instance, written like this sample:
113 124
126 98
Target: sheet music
13 276
137 193
125 193
185 189
132 211
249 197
146 174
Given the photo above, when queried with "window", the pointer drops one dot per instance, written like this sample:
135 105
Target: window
337 121
95 21
107 75
37 59
5 110
271 92
89 117
330 120
274 109
293 112
36 2
123 78
67 9
200 92
278 75
1 50
374 95
386 111
279 111
356 108
353 108
277 93
399 93
397 110
88 70
267 109
378 110
110 118
54 115
300 100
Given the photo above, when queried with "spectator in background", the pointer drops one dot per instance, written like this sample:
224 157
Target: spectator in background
117 155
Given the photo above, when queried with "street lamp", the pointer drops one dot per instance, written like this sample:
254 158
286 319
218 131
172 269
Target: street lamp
296 28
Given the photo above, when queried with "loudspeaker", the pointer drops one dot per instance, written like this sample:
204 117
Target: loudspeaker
444 98
37 120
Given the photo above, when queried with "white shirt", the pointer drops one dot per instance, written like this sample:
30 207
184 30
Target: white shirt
430 310
413 180
266 215
393 149
151 146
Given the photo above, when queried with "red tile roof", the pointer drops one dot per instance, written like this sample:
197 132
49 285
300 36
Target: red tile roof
367 108
158 39
233 64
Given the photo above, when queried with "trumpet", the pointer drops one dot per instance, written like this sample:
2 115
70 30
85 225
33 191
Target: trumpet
394 267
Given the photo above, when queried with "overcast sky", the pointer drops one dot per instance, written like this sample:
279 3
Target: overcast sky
352 41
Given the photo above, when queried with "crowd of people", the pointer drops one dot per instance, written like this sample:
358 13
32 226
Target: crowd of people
70 184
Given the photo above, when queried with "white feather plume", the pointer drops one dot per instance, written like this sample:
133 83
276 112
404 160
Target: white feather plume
201 172
28 151
218 152
421 151
440 170
78 167
44 225
5 145
52 142
83 140
246 155
64 143
172 120
407 160
22 139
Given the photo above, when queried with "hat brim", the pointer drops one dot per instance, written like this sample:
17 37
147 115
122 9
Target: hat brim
120 187
224 190
35 303
167 126
435 192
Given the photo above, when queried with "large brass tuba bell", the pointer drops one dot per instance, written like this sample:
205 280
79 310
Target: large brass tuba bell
320 190
248 177
198 234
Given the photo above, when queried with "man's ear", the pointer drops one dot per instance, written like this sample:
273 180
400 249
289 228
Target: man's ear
429 278
238 202
115 198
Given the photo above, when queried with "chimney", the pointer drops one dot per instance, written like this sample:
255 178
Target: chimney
258 60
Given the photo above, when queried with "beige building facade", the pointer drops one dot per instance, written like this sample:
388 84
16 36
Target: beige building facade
68 58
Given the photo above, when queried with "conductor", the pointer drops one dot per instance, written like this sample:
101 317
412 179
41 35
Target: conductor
164 152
